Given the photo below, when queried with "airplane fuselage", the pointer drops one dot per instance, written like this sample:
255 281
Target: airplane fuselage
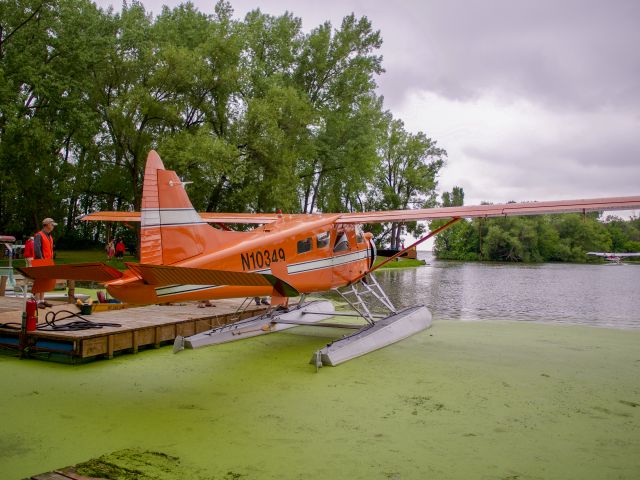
312 255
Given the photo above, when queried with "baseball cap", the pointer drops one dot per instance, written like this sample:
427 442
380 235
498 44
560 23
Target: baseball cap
47 221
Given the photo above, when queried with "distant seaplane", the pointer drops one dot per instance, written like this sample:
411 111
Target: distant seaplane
614 258
183 257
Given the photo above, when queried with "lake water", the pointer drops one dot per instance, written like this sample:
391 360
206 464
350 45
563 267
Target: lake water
600 295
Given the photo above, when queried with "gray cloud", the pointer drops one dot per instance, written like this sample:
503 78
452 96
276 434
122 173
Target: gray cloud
575 54
578 54
589 147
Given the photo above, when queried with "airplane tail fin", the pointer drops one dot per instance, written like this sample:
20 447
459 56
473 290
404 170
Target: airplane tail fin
171 230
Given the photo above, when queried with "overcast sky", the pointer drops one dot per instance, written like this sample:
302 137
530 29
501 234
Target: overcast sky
533 100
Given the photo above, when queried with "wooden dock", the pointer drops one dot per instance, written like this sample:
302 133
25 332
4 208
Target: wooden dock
148 326
68 473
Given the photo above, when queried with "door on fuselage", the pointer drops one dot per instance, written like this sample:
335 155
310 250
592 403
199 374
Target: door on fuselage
350 254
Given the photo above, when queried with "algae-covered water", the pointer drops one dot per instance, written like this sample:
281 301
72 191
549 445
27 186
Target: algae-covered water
482 400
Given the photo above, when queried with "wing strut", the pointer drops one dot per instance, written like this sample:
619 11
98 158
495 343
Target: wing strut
417 242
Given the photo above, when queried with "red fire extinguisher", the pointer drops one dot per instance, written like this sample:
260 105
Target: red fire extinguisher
32 315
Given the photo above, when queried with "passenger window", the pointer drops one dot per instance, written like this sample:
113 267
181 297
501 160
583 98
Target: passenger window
342 243
304 245
359 234
322 239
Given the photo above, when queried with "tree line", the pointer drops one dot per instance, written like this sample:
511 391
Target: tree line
257 113
543 238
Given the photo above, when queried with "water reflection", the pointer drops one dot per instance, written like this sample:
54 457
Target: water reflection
603 295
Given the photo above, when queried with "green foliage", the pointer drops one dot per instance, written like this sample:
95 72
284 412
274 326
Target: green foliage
460 241
406 176
258 114
555 238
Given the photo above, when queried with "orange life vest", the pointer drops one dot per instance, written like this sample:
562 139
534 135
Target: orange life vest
47 244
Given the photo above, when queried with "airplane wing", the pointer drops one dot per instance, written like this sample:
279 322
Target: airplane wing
97 272
467 211
497 210
613 254
248 218
168 275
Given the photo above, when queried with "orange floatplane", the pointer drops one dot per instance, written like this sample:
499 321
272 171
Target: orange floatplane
184 257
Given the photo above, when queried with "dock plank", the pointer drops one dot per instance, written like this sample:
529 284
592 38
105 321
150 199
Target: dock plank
72 475
140 326
50 476
10 304
68 473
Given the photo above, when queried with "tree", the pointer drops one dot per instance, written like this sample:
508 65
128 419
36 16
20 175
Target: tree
406 176
256 113
336 73
460 241
46 48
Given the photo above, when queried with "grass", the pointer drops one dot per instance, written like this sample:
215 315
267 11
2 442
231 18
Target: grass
400 263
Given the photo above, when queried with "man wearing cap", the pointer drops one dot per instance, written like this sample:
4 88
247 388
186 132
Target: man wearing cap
43 250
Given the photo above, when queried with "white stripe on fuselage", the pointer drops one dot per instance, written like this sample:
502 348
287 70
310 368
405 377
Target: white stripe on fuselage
176 289
311 265
293 269
168 217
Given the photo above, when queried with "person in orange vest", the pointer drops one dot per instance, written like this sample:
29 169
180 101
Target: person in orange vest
43 249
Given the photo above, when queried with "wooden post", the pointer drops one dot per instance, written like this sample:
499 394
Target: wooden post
71 296
3 285
134 341
110 347
480 225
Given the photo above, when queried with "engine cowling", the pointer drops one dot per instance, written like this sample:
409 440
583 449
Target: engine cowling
373 252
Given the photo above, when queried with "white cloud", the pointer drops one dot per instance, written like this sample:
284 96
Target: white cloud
502 150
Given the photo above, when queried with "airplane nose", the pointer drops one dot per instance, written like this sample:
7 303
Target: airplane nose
373 253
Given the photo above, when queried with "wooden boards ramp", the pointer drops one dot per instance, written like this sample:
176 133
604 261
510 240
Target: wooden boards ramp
148 326
68 473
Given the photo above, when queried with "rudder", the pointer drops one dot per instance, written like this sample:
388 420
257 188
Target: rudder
171 230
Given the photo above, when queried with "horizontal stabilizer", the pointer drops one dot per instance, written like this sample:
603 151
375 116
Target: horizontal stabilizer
168 275
96 272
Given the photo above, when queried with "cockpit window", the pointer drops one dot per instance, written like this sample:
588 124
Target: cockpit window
304 245
342 243
322 239
359 234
